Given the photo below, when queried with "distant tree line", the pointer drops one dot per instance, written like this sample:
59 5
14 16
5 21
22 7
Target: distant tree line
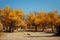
12 19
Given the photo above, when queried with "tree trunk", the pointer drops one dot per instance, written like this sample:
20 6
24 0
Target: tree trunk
36 28
58 30
12 29
21 27
6 29
9 29
43 26
52 28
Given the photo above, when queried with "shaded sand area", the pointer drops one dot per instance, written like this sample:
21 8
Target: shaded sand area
29 36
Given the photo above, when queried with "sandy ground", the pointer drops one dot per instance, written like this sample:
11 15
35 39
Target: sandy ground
28 36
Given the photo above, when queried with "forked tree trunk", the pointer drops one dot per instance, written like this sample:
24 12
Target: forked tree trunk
11 27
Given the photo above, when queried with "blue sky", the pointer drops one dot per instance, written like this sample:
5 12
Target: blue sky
32 5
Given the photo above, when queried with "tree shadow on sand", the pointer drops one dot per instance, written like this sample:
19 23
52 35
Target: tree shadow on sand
43 36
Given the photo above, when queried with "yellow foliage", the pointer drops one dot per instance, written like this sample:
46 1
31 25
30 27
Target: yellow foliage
20 13
41 14
23 19
58 21
2 12
33 16
7 10
37 21
7 7
12 13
